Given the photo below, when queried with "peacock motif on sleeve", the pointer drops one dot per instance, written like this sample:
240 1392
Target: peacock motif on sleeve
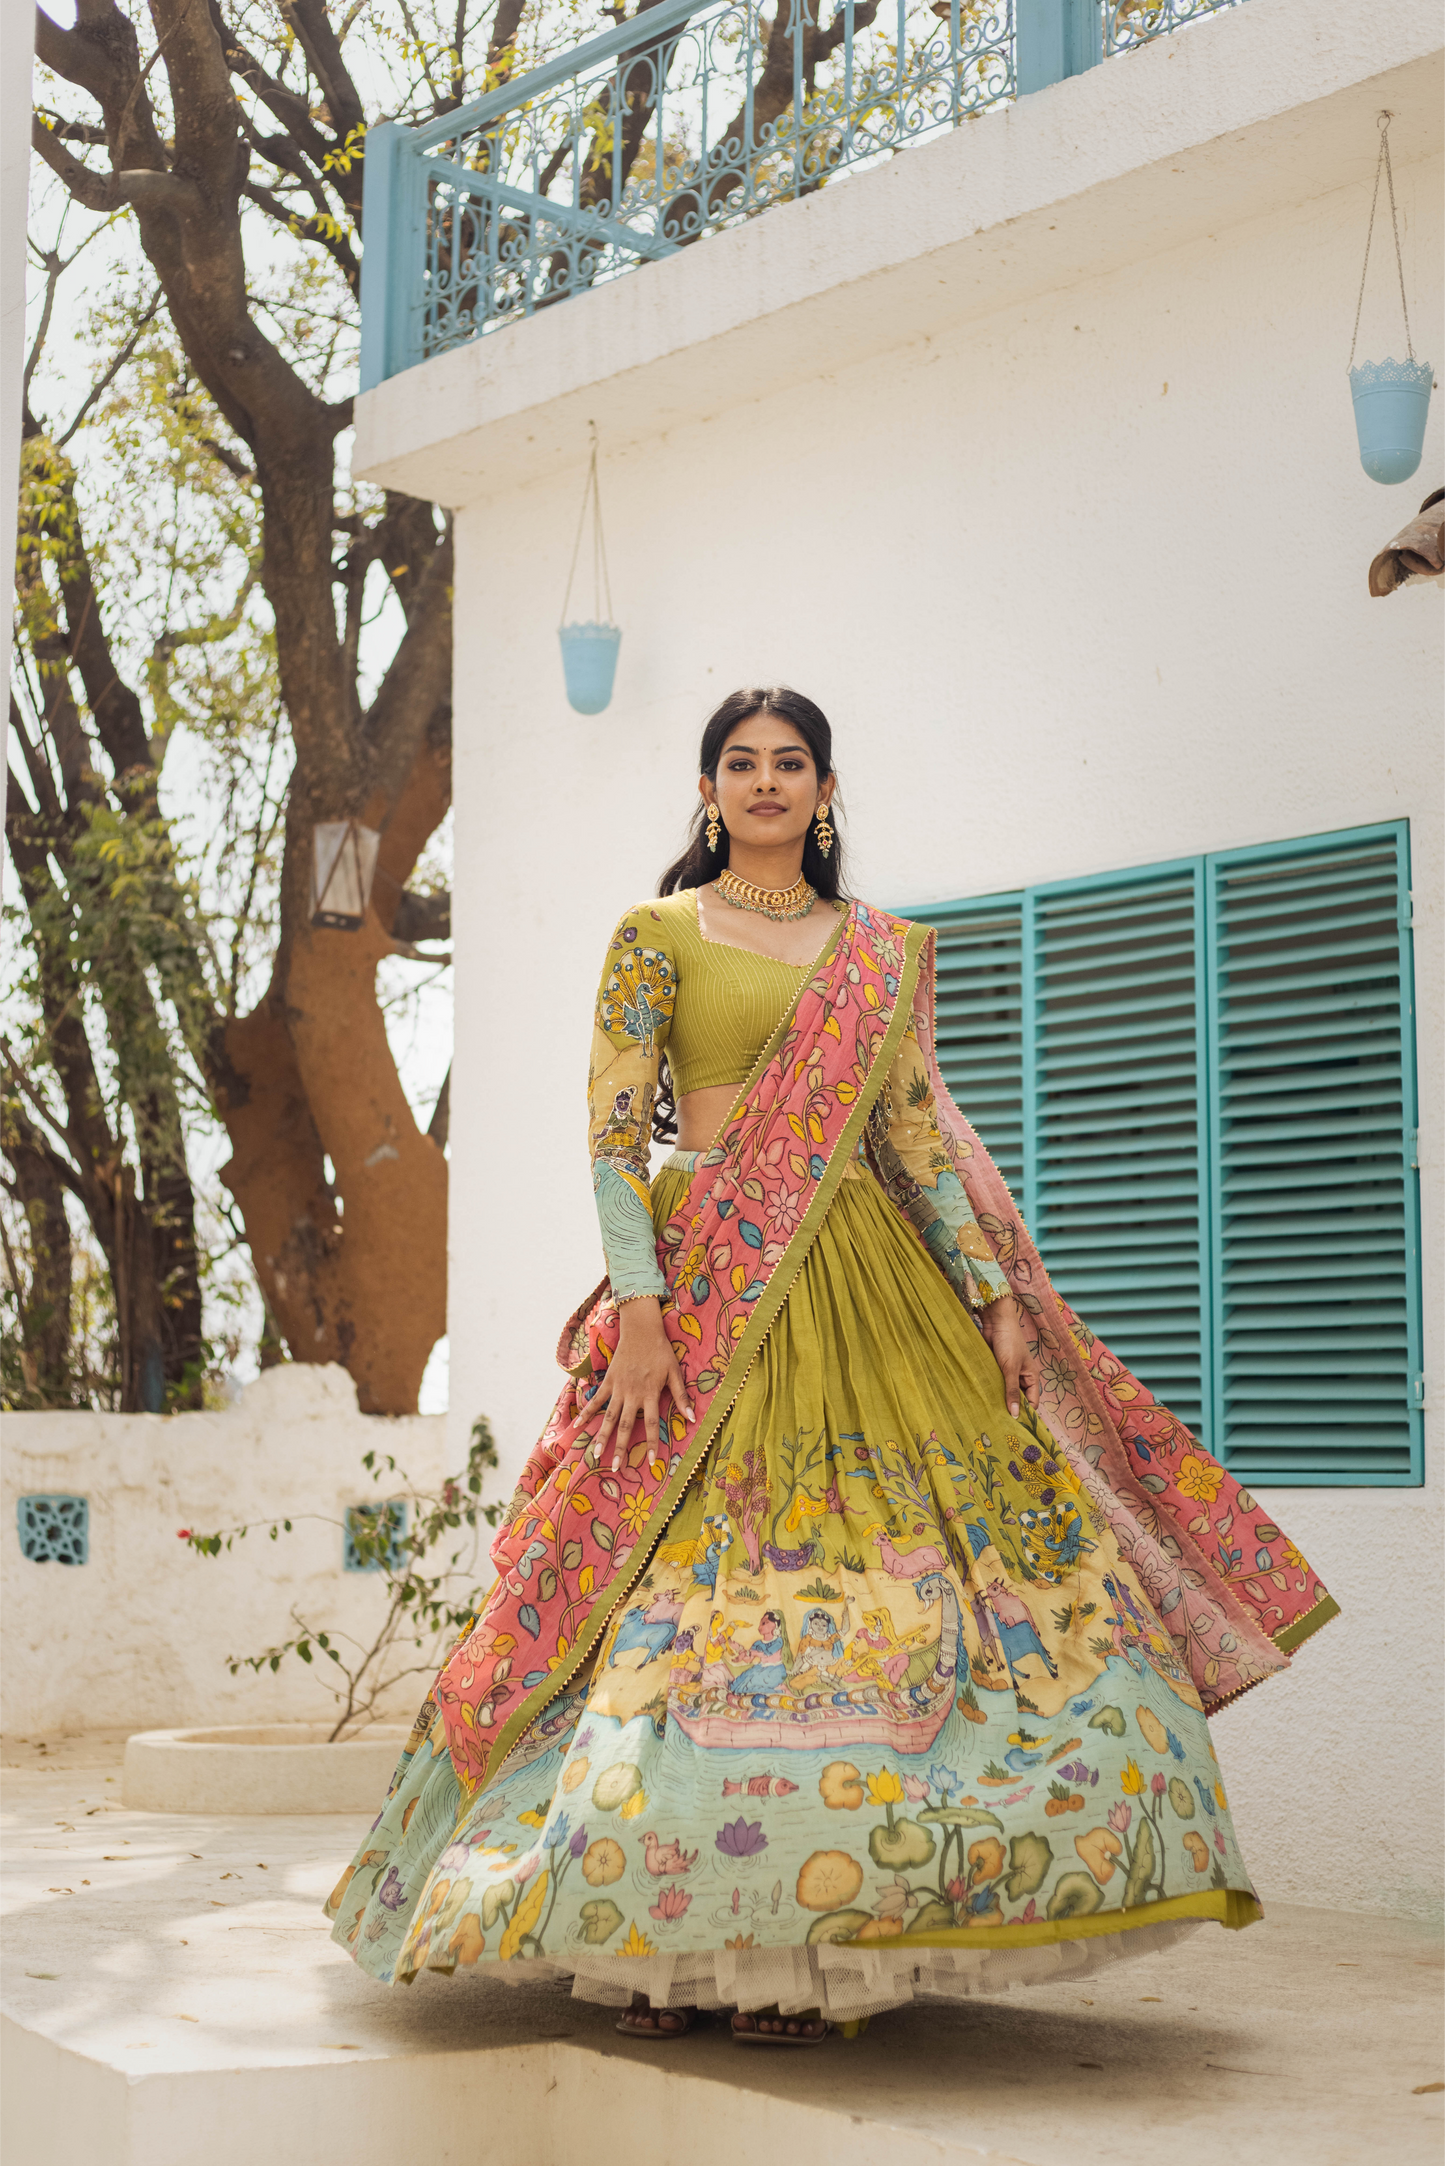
638 998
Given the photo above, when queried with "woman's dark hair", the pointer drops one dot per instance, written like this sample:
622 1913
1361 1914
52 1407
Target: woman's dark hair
698 864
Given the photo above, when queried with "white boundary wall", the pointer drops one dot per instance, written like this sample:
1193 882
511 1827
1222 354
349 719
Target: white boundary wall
139 1637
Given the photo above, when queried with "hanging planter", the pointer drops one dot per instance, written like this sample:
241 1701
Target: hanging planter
1392 398
589 650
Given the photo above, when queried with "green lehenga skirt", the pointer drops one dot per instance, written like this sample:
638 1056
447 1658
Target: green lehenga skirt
886 1716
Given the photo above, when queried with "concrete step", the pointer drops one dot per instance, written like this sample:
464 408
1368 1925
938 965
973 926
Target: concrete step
173 1999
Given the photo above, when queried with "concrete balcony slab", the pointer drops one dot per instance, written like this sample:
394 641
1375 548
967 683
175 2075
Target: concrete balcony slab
1248 112
173 1998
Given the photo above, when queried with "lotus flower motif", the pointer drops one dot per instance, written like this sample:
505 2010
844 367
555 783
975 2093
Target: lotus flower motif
742 1838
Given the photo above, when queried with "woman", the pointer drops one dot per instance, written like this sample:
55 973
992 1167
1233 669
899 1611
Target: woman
858 1613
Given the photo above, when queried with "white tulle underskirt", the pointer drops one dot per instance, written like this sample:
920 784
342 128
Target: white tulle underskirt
845 1983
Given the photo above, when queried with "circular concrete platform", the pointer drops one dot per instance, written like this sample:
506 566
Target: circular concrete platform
285 1767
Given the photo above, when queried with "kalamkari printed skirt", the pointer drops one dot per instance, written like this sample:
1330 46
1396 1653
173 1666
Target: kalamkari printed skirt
883 1716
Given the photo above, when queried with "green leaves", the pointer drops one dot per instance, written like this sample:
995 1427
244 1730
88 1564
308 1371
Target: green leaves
1029 1857
901 1846
1076 1896
420 1607
1141 1869
961 1816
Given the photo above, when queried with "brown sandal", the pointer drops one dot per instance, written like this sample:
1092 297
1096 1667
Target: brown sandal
642 2020
767 2027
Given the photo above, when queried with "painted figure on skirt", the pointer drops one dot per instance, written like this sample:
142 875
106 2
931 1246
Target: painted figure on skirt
858 1613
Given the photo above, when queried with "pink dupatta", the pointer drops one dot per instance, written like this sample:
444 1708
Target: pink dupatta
1232 1590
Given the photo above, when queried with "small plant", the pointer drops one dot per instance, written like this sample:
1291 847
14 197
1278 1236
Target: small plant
968 1705
421 1606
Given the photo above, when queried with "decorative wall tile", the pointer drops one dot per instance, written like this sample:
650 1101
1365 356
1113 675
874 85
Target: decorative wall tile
55 1529
364 1517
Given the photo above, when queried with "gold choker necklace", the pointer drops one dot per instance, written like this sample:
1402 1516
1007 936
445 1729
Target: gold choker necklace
779 903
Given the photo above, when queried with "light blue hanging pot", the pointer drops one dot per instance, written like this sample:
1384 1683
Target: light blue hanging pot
1392 401
589 650
1392 398
589 664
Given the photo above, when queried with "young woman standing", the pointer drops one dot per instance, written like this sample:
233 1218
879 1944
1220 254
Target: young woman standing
858 1613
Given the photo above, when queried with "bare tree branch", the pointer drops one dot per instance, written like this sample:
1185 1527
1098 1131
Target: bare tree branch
99 390
322 48
339 250
422 917
97 191
228 459
54 265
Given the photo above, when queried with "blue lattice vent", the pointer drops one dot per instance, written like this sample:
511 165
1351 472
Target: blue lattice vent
55 1530
365 1518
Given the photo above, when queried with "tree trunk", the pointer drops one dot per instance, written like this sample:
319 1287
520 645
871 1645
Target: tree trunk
45 1303
353 1266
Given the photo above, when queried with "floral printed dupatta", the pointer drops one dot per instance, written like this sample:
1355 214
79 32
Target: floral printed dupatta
1233 1591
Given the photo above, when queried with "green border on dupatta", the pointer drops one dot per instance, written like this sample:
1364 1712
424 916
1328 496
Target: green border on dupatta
760 1323
1304 1628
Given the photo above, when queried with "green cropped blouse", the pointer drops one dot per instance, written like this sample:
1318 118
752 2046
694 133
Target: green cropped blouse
713 1007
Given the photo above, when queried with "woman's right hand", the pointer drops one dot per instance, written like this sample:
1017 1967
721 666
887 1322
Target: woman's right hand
644 1367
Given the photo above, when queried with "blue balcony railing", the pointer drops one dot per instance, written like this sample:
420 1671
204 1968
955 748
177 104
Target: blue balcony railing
688 118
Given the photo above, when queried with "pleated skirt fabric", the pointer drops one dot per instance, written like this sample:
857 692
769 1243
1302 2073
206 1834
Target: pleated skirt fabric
884 1715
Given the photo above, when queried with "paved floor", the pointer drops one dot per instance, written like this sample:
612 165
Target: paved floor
172 1994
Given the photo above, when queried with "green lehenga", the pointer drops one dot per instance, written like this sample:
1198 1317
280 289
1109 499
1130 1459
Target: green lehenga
800 1770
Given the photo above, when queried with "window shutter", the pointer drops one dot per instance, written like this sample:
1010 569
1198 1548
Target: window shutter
1114 1182
1317 1340
980 1021
1198 1080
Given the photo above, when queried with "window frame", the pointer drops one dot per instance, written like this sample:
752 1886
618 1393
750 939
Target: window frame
1206 871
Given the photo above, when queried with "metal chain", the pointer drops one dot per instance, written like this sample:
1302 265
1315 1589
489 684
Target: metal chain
1382 163
601 582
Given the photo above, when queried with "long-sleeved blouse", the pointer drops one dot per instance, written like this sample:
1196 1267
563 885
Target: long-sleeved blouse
712 1007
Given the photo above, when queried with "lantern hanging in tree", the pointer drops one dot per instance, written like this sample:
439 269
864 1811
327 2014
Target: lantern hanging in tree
589 650
343 861
1392 398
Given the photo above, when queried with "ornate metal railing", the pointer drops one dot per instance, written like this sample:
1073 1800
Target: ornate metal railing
689 117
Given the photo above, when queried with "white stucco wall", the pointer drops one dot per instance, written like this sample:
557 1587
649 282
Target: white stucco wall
139 1637
1080 579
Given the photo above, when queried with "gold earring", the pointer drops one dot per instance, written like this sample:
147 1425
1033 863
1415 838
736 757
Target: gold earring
823 832
714 829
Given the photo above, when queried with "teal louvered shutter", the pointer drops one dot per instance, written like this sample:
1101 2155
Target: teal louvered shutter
1317 1335
1115 1139
980 1020
1199 1081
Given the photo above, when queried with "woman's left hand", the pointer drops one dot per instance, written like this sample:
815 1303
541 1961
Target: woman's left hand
1003 1328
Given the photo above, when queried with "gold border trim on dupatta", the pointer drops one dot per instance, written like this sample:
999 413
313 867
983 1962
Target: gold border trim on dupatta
760 1323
